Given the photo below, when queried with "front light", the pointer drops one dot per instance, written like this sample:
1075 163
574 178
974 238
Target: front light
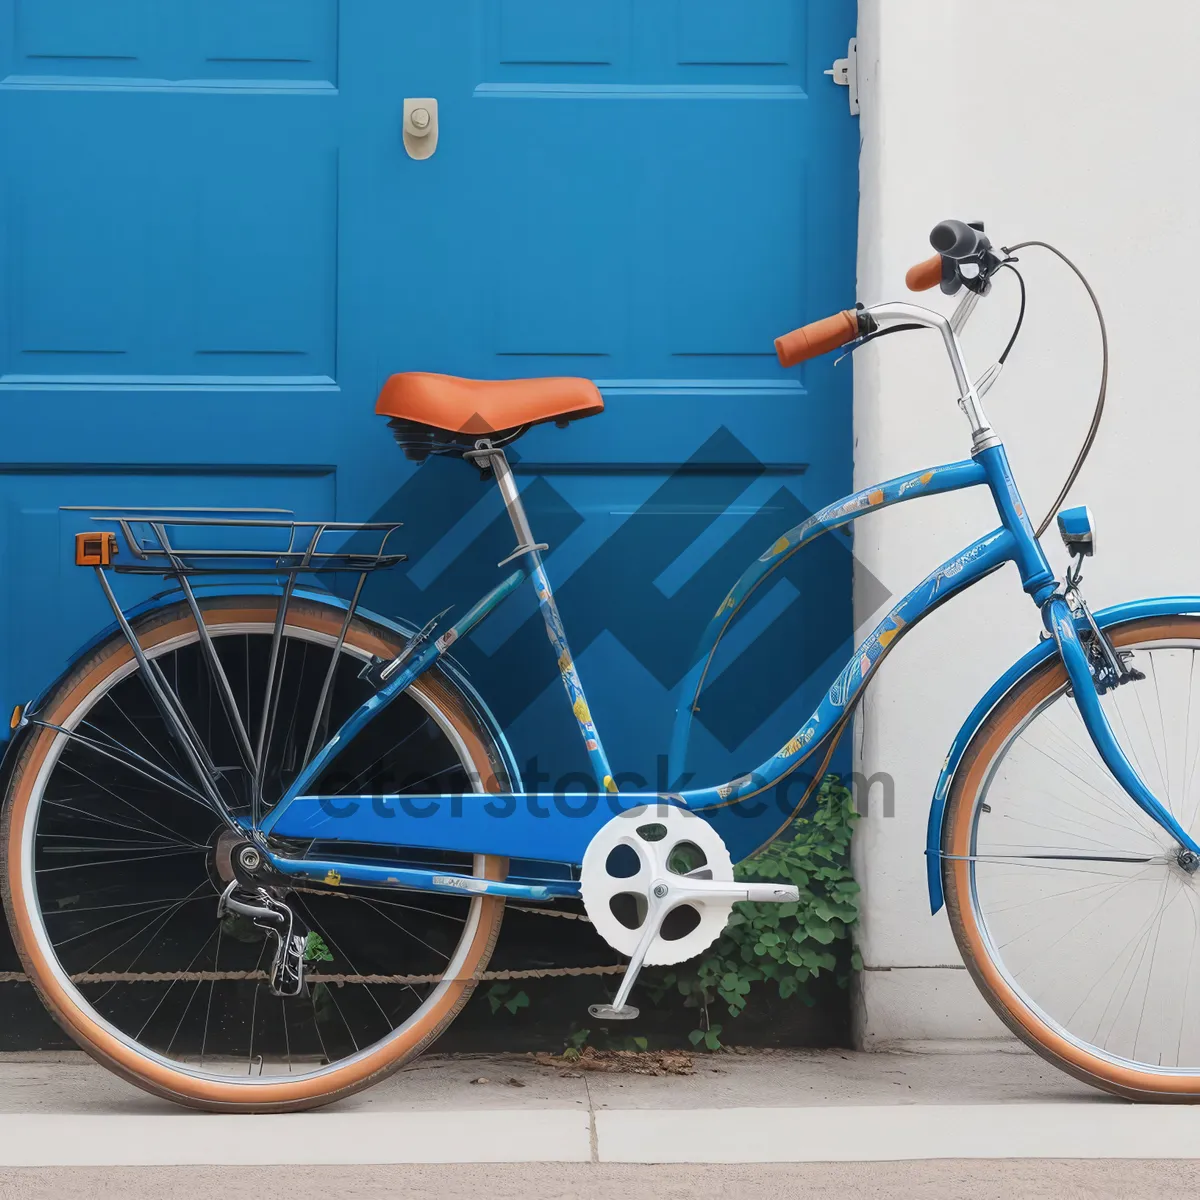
1078 530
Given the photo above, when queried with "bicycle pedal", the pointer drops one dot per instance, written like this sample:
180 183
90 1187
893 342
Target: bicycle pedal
606 1012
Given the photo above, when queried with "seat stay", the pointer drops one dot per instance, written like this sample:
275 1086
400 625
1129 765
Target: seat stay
413 669
424 657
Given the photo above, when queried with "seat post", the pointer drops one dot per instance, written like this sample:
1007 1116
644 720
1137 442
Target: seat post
498 461
485 454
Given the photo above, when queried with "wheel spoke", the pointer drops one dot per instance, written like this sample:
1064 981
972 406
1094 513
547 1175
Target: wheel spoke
1088 911
1050 859
128 857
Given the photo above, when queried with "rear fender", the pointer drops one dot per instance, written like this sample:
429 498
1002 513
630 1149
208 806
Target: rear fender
9 747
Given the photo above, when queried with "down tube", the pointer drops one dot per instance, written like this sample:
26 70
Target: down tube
752 809
950 477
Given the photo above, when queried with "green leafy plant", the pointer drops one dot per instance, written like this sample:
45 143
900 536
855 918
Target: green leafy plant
499 996
635 1043
315 949
576 1040
787 945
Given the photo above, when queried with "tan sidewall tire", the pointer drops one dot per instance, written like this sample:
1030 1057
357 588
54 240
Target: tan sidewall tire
972 772
217 1095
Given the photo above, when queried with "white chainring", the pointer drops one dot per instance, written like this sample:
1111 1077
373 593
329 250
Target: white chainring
625 858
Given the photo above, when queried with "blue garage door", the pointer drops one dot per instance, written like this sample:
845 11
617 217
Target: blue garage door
215 249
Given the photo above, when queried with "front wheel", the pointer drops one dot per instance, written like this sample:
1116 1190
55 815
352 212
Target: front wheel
1074 911
113 870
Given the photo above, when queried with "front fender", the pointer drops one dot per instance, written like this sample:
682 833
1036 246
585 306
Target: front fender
1118 614
174 596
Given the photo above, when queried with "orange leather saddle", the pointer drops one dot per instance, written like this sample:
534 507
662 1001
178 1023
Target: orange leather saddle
454 411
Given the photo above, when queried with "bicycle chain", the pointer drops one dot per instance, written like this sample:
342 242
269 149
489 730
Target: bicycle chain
337 980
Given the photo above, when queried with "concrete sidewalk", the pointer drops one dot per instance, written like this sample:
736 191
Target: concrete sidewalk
761 1107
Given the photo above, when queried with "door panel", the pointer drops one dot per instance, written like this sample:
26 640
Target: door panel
645 192
200 42
214 249
136 252
168 281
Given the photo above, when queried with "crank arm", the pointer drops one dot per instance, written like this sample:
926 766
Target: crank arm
619 1010
687 888
667 896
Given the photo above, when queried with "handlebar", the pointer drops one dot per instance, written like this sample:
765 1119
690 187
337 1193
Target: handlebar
818 337
958 240
925 275
964 258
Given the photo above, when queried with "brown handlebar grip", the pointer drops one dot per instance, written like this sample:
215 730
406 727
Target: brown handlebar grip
925 275
819 337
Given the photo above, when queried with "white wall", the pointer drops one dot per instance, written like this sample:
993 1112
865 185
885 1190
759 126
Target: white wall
1075 121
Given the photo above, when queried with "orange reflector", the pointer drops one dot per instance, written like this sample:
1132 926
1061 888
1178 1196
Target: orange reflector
95 549
15 719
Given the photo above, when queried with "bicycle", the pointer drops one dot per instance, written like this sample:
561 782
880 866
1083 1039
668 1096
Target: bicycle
214 839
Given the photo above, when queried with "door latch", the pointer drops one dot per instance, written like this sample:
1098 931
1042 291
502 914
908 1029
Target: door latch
420 127
845 73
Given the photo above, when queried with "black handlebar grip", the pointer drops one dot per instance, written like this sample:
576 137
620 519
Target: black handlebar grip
955 239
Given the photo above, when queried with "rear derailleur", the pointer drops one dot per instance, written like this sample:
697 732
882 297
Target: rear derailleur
249 897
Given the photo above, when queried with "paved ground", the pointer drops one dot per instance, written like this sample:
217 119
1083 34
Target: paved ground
72 1083
995 1123
945 1180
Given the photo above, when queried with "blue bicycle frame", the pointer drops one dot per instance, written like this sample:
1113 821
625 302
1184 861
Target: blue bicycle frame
748 811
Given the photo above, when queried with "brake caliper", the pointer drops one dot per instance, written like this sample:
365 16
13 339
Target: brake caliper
1110 666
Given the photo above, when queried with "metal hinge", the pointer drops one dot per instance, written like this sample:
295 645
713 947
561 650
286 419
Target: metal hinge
845 73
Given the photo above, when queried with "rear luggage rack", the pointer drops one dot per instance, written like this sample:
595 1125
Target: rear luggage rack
183 543
165 542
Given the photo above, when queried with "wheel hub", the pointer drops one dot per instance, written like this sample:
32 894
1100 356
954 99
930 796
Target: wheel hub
221 857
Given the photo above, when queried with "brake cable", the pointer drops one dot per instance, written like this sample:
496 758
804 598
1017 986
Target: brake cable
1020 313
859 343
1085 449
1098 413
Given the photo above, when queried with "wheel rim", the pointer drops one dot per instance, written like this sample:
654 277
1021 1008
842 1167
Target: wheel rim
1099 937
183 991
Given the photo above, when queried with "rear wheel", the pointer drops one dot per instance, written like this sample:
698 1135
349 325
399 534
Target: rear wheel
112 872
1074 911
